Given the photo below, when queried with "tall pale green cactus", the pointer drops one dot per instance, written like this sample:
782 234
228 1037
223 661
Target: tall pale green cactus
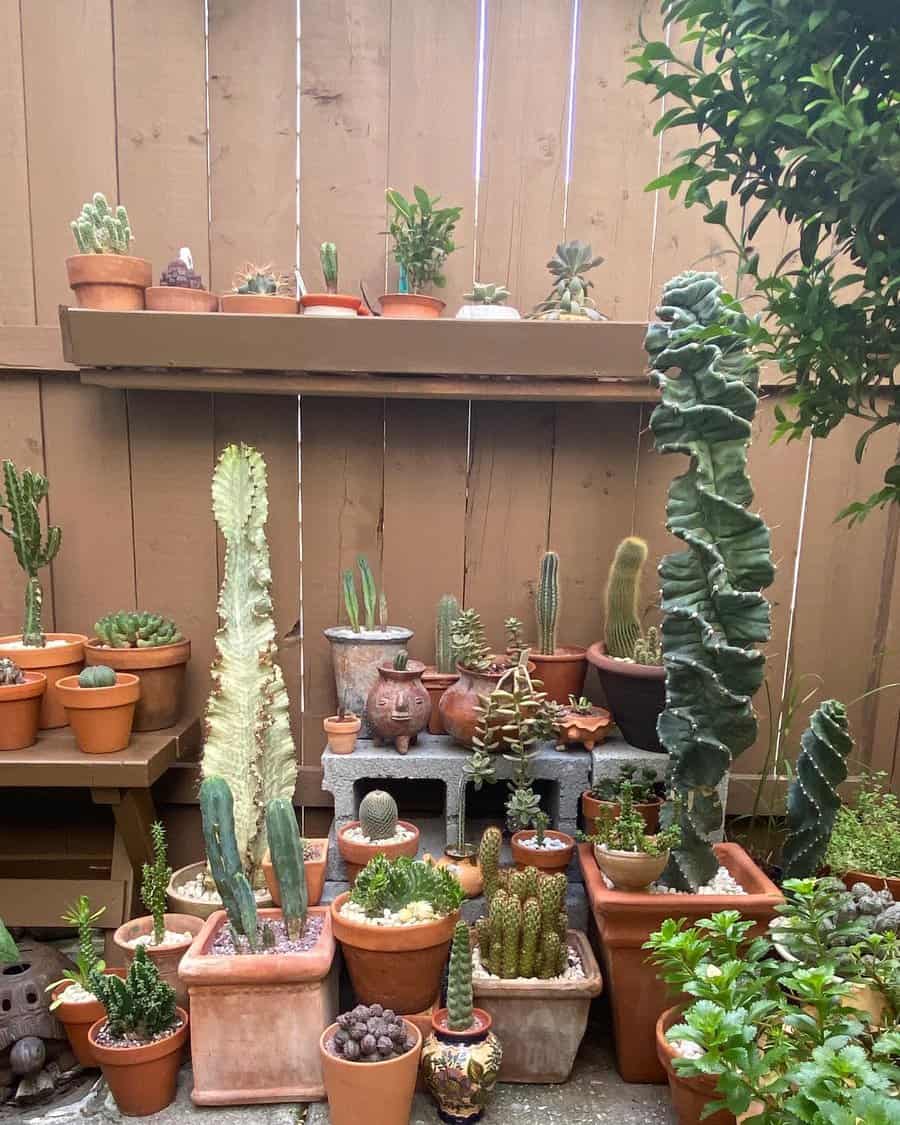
447 613
623 587
33 550
546 603
100 230
329 259
248 734
714 611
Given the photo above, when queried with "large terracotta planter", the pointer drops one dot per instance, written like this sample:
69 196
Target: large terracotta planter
592 807
314 868
635 693
100 717
178 298
356 855
20 711
355 658
181 904
541 1022
109 281
256 1018
411 306
167 958
551 861
690 1095
399 967
624 920
459 702
342 733
78 1019
141 1079
55 662
461 1068
876 882
436 683
264 304
378 1093
630 871
562 674
161 672
398 706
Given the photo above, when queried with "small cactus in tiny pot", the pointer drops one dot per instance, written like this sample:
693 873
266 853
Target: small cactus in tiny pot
100 230
96 676
10 673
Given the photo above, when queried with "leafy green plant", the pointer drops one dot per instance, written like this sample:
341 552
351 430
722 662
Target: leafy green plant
371 598
642 781
865 836
140 1006
626 830
815 923
136 630
100 230
154 881
84 919
569 298
391 884
25 493
423 236
328 257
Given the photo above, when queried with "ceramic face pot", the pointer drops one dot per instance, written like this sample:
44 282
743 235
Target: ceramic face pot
63 657
141 1079
161 671
436 683
20 711
167 958
314 868
377 1093
630 871
101 717
635 693
416 306
561 673
355 658
461 1068
398 706
588 730
109 281
592 807
464 865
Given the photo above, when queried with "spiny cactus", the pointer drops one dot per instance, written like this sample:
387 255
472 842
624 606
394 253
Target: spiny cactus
24 495
568 299
96 676
531 932
286 851
470 645
813 801
648 649
217 813
180 273
139 1007
546 603
136 630
378 815
329 260
100 230
262 280
83 918
514 935
459 981
550 954
487 294
447 613
489 859
10 673
714 611
401 661
623 587
154 881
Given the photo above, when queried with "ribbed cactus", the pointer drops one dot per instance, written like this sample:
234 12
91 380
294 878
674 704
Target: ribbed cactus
714 612
24 495
459 981
521 918
813 799
531 932
154 881
100 230
546 603
496 913
512 936
286 851
136 630
550 955
623 589
447 613
96 676
10 673
378 815
223 855
329 259
401 660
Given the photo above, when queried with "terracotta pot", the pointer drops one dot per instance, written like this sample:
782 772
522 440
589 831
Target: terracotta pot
630 871
625 920
265 304
314 868
586 730
399 967
436 683
100 717
398 706
109 281
690 1095
161 672
141 1079
356 855
355 658
459 702
167 958
465 867
20 711
78 1019
378 1093
461 1068
562 674
876 882
342 733
256 1018
181 904
176 298
541 1022
591 809
635 693
56 662
411 306
332 304
551 861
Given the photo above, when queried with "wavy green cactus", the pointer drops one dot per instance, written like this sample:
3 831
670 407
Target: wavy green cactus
25 493
248 732
714 611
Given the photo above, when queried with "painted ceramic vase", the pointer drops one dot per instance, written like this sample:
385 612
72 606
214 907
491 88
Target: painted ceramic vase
399 705
460 1068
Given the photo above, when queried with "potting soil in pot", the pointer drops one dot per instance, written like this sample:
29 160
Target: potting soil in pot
574 968
223 943
357 836
722 883
410 915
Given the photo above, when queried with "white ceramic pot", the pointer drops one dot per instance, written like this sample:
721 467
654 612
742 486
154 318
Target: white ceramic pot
488 312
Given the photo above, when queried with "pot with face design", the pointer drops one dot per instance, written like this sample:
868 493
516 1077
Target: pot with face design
399 705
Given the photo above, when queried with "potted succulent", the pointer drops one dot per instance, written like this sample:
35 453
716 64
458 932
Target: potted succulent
461 1057
20 705
54 655
582 722
180 288
487 302
865 846
315 856
395 928
259 289
152 648
331 303
423 237
99 705
569 299
398 706
562 669
480 672
442 674
102 274
628 856
377 832
342 730
370 1061
542 847
647 793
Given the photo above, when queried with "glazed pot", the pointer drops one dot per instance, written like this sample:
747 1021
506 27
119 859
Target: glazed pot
414 306
20 711
630 871
398 706
461 1068
55 662
635 694
78 1018
109 281
876 882
399 967
342 732
332 304
436 683
690 1095
160 670
562 674
181 904
100 717
549 861
265 304
586 730
592 807
178 298
377 1093
314 868
459 703
167 958
141 1079
356 854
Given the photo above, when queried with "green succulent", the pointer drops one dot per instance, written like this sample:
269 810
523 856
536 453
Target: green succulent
136 630
391 884
569 295
487 294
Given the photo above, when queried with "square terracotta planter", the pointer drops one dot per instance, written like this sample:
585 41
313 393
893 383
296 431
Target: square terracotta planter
256 1019
624 921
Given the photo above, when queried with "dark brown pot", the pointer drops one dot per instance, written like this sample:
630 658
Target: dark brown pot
591 808
141 1079
690 1096
161 671
635 693
562 674
398 706
436 683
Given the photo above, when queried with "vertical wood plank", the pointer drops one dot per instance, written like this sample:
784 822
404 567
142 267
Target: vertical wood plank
16 279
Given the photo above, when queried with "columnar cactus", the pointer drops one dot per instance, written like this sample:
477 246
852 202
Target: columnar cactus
459 981
329 259
10 673
154 881
512 936
714 611
524 932
489 859
100 230
401 660
550 955
378 815
813 799
623 588
546 603
136 630
33 550
531 932
286 851
447 613
223 856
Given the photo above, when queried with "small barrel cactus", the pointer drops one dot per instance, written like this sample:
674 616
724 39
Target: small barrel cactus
623 587
286 850
329 259
401 661
100 230
180 272
97 675
447 613
136 630
378 815
371 1033
546 603
10 673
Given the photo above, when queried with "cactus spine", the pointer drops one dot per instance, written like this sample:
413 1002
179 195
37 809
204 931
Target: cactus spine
286 850
623 587
531 931
154 881
447 613
24 495
546 603
489 859
459 981
217 811
550 950
378 815
512 933
329 259
526 923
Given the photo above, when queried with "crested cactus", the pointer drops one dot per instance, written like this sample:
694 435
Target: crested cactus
546 603
489 859
447 613
401 661
154 881
623 587
714 611
33 550
96 676
248 733
10 673
223 856
100 230
329 260
136 630
813 799
459 981
286 851
378 815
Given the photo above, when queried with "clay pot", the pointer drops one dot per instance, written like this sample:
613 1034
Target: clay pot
355 658
20 711
591 809
488 312
411 306
56 662
332 304
177 298
586 730
398 706
265 304
342 732
876 882
160 670
562 674
356 855
630 871
550 861
459 702
465 867
461 1068
690 1095
377 1093
100 717
141 1079
78 1019
109 281
180 903
167 958
314 868
635 693
436 683
399 967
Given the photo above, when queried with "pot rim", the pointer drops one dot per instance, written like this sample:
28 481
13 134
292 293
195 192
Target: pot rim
562 654
440 1017
462 670
386 937
329 1031
137 1054
413 299
67 1011
278 299
189 871
177 920
159 656
344 635
72 652
35 685
331 300
554 832
321 843
656 801
412 671
596 655
335 725
126 690
432 678
617 853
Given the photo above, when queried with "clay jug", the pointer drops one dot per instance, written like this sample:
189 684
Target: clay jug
399 705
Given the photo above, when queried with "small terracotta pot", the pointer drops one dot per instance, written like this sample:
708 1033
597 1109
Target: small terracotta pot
77 1019
586 730
399 967
168 957
411 306
459 703
562 674
101 717
20 710
436 683
635 693
332 304
109 281
398 706
556 859
342 733
160 670
592 807
630 871
177 298
689 1095
356 855
876 882
314 868
55 662
141 1079
377 1093
258 303
461 1068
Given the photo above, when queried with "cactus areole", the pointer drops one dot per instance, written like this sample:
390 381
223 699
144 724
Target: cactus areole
714 611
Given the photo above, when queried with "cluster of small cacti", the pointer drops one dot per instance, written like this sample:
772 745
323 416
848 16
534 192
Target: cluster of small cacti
180 273
459 981
623 587
24 495
487 294
287 852
469 641
371 1033
546 603
100 230
372 600
261 280
648 648
523 933
10 673
328 258
378 815
447 613
401 661
580 705
217 813
154 881
96 676
140 1006
569 298
136 630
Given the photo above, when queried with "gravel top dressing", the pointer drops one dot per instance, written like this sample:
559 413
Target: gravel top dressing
104 1038
359 837
574 969
223 943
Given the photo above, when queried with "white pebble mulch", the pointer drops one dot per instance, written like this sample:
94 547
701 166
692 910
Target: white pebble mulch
75 994
359 837
408 916
550 844
196 891
686 1049
170 937
574 969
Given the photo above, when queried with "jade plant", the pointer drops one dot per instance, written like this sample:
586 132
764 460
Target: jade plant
487 294
223 856
546 603
523 932
287 851
569 298
447 612
33 548
423 237
624 636
372 601
865 836
180 272
83 918
393 884
126 629
100 230
154 881
96 676
10 673
328 257
714 611
378 815
139 1007
459 981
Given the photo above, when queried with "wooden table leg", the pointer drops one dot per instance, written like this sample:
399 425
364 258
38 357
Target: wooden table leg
132 847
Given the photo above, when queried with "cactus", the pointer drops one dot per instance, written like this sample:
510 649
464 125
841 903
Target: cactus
223 855
487 294
329 259
459 981
496 914
96 676
447 613
136 630
24 495
489 860
568 299
263 281
512 936
180 273
623 587
714 611
483 939
550 951
372 600
531 932
515 637
154 881
378 815
140 1007
813 801
286 850
10 673
100 230
248 732
546 603
469 643
648 649
351 602
370 597
401 661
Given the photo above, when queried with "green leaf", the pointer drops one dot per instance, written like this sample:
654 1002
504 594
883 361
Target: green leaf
9 952
717 216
